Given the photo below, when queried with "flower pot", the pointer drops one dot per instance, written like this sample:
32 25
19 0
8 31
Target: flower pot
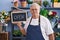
23 4
29 1
38 1
16 4
45 3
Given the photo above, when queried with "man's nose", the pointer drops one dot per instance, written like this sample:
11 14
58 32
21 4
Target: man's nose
34 10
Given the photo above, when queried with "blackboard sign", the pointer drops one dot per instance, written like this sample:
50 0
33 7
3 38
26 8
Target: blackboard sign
18 16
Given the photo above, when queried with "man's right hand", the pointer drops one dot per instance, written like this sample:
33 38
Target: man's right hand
18 23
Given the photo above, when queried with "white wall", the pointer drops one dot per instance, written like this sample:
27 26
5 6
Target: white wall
5 5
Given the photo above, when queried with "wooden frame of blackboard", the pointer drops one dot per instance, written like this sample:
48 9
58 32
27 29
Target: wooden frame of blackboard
18 12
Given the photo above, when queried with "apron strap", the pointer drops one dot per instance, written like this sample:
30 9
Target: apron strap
39 20
31 20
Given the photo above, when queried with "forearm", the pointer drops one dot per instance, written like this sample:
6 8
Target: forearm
22 30
51 37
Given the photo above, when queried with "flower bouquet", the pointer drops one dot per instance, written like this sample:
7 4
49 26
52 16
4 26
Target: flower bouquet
4 15
51 15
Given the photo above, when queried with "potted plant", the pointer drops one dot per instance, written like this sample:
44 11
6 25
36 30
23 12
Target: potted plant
5 16
16 4
17 33
29 1
23 3
44 12
45 3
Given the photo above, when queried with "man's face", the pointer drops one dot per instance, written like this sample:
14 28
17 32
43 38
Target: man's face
34 10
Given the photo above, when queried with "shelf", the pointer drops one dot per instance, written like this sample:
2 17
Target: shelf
13 8
18 37
48 8
53 8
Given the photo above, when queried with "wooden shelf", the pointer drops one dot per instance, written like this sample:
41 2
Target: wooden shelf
53 8
48 8
18 37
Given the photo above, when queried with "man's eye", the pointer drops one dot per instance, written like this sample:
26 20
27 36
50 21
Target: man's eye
34 9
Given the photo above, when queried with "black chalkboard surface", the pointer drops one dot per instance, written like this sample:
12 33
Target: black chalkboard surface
18 16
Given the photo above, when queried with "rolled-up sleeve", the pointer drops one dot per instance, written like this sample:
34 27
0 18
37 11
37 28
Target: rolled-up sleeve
26 25
49 29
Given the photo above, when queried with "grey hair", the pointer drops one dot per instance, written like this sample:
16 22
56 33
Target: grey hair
35 4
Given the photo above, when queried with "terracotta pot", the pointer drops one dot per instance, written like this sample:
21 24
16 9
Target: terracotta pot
8 19
23 4
16 4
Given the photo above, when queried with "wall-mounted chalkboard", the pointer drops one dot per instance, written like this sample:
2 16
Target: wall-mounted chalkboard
18 16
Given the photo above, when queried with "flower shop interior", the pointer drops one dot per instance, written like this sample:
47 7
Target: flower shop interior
9 31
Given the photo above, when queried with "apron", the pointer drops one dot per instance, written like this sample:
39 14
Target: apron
34 32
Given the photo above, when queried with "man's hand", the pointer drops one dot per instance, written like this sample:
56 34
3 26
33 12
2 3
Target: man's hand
19 24
51 37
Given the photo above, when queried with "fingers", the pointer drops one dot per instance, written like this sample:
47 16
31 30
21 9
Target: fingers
18 23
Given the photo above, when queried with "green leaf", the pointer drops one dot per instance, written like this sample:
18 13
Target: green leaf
58 0
17 32
44 12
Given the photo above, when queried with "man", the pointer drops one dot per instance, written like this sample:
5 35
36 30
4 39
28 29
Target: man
37 27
